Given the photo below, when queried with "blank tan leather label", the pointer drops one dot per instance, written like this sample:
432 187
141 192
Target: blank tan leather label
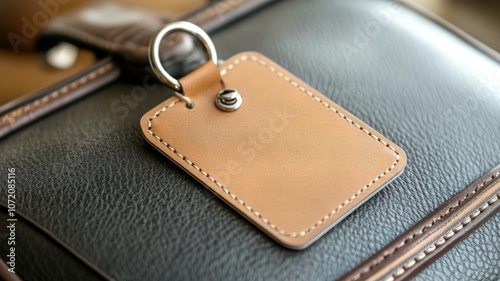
291 161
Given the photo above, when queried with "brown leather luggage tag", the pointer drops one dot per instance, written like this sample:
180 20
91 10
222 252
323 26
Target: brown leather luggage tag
288 159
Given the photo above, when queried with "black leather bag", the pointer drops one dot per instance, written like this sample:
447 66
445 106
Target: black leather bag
86 173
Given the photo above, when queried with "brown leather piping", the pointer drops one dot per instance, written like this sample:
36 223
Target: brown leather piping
391 257
63 93
5 274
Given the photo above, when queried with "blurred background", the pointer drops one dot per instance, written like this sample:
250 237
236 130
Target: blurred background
26 71
479 18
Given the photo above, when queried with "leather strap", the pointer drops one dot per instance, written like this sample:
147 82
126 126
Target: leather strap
5 274
433 236
126 31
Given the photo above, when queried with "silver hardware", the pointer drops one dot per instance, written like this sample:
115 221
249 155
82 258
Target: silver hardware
228 100
154 54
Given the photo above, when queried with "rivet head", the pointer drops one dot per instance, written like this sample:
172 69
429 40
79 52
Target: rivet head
228 100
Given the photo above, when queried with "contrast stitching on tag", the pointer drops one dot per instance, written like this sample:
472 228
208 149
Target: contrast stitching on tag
442 240
422 230
11 117
248 207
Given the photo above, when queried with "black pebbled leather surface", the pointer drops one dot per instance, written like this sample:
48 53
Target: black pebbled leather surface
87 174
39 259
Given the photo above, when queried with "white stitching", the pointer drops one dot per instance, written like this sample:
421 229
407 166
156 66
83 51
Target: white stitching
11 117
308 93
387 253
421 255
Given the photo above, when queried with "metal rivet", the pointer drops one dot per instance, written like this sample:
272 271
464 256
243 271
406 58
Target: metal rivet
228 100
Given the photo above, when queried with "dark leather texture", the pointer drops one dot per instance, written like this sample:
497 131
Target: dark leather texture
35 253
87 174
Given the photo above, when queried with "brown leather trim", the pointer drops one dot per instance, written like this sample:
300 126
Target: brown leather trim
130 41
472 221
433 236
5 274
59 95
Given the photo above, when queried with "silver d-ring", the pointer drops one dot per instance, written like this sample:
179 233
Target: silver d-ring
154 50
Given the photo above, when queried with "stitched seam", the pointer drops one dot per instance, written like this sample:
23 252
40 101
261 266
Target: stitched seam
370 267
442 240
248 207
10 118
